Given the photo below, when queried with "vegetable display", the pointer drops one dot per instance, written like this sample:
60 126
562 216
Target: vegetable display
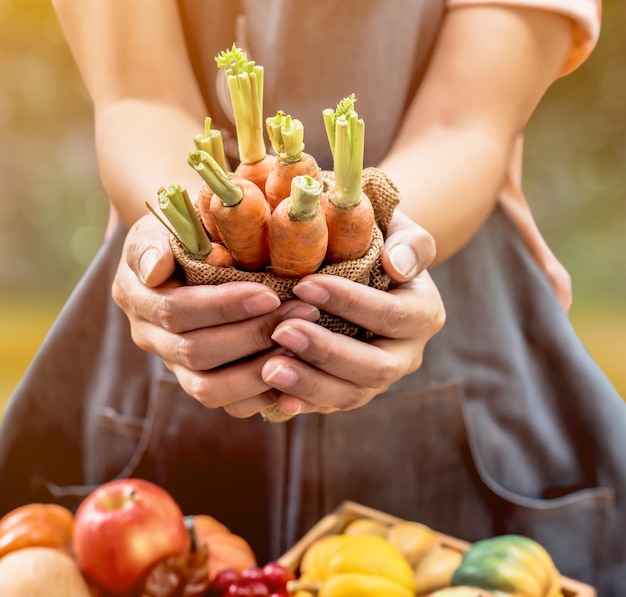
129 538
234 208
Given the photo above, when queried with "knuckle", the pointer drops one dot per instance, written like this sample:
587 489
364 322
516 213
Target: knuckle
357 398
187 353
385 372
439 319
201 388
394 320
138 337
166 313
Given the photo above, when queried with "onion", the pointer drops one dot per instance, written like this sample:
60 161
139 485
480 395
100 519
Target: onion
41 572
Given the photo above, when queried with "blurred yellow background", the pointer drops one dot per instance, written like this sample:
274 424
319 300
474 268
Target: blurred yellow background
54 210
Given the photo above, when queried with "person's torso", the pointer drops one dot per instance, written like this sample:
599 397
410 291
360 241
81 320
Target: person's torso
314 54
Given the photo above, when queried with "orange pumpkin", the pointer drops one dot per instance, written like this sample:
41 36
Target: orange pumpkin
227 551
36 525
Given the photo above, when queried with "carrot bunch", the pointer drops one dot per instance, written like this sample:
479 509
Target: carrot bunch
274 213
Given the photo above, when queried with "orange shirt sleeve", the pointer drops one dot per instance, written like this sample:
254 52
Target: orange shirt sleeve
586 15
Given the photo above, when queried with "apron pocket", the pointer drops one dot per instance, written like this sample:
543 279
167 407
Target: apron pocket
413 441
575 526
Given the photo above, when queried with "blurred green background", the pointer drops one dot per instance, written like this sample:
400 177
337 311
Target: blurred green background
54 210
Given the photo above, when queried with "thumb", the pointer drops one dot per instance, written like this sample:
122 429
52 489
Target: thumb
148 252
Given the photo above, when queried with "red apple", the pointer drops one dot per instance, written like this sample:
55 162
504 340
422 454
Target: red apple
125 527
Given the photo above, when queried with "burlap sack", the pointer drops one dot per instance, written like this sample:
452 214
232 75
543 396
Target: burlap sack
367 270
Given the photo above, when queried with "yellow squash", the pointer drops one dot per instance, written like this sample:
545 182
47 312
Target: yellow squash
357 565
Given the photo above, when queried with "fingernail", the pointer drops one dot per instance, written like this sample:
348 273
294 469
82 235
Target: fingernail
290 338
147 262
279 375
303 311
403 260
263 302
291 405
311 293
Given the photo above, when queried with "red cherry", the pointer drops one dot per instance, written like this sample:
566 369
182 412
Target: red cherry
223 580
279 594
237 590
258 588
252 574
276 575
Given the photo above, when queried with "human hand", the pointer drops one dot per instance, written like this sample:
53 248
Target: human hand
215 339
332 372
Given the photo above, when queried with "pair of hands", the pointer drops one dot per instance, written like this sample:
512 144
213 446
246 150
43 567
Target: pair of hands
236 346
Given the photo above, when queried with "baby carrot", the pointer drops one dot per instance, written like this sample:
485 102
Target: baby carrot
348 210
286 136
240 211
176 206
245 85
297 231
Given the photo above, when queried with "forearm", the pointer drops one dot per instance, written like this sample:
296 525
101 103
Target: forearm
449 180
141 146
490 68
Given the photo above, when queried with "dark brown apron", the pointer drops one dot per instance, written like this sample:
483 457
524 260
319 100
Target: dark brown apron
509 426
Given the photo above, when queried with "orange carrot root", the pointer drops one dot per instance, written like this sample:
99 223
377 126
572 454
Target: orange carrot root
298 233
244 227
220 256
257 172
350 231
278 183
203 202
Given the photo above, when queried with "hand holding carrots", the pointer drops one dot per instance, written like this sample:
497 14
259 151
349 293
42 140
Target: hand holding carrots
226 330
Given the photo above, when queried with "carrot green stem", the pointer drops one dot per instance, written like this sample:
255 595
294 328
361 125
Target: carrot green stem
286 136
184 224
245 84
212 143
305 198
215 177
346 135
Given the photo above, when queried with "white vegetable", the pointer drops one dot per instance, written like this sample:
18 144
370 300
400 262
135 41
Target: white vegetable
41 572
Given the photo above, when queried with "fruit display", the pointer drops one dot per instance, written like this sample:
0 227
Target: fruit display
129 538
441 565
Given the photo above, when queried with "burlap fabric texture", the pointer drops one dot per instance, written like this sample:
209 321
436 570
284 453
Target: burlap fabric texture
367 270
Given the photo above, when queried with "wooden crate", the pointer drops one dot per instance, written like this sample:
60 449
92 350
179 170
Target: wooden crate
336 521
